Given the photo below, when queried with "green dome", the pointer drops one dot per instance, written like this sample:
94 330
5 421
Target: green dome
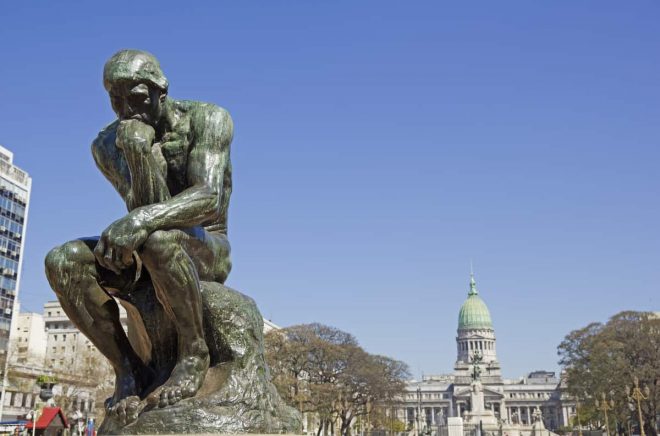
474 314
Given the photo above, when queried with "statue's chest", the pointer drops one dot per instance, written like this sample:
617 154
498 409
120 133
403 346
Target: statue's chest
172 161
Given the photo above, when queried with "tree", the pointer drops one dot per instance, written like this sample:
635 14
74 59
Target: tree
90 378
323 370
605 358
369 381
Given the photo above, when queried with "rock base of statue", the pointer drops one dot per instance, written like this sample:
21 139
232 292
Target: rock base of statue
237 395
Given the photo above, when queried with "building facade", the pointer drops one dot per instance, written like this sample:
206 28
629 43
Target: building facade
15 186
28 340
428 403
67 349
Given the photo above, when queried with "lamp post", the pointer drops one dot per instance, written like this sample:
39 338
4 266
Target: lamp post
604 406
638 396
32 416
577 415
419 408
79 419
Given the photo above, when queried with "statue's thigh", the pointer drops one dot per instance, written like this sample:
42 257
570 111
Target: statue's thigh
209 252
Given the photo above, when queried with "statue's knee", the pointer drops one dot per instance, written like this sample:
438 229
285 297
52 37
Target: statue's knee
65 259
159 246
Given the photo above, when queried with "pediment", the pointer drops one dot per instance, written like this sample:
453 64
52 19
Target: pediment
467 391
475 336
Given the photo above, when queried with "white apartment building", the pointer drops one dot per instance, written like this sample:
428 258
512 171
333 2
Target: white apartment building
28 340
15 187
67 349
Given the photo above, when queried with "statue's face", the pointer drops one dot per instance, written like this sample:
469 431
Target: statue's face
137 101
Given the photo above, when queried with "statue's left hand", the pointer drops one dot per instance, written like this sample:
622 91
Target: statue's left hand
115 248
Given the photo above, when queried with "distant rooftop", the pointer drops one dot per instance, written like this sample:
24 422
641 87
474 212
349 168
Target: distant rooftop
6 155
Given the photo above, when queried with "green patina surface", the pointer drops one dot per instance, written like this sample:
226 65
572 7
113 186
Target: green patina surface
474 312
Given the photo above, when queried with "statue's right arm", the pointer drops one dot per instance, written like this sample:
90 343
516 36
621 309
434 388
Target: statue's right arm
110 161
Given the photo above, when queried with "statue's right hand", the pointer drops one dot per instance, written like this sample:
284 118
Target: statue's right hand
115 247
134 135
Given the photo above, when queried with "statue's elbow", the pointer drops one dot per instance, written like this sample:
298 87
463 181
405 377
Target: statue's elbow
216 204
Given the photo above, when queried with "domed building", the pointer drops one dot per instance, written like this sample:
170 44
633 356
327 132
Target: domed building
475 331
429 402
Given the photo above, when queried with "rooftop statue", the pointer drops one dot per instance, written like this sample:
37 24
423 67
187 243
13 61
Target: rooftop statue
166 261
476 359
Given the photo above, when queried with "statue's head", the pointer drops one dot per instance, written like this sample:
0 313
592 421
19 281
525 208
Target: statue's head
136 85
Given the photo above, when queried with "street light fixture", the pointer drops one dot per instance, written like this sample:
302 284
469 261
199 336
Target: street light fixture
79 420
638 396
577 415
32 415
419 409
604 406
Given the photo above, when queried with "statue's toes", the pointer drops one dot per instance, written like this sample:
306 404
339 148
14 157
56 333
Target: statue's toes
167 397
132 408
164 398
175 396
120 412
188 391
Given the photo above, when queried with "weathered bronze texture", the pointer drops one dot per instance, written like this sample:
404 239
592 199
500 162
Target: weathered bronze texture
166 261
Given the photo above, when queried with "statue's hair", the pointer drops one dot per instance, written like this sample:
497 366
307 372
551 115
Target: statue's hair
133 65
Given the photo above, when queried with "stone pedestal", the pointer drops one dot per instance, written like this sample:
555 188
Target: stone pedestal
455 426
237 395
479 415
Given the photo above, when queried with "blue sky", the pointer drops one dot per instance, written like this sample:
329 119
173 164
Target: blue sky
379 147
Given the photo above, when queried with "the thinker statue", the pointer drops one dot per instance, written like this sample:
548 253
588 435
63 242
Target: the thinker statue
169 161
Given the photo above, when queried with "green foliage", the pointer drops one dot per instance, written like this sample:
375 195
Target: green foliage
321 369
604 359
45 379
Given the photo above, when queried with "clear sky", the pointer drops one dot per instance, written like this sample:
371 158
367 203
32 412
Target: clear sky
379 147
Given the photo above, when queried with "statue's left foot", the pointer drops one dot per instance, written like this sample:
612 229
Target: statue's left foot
186 379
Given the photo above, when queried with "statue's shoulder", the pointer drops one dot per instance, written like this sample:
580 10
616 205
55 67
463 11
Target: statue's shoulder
205 115
103 146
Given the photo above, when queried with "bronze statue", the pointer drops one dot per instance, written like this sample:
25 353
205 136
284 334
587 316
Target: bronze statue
170 162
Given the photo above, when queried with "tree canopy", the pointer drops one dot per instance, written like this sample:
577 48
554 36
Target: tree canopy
605 359
323 370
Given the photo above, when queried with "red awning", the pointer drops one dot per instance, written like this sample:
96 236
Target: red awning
47 416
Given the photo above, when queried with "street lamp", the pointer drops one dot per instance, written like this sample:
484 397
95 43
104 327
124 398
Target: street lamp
32 415
638 396
577 415
79 419
419 408
604 406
